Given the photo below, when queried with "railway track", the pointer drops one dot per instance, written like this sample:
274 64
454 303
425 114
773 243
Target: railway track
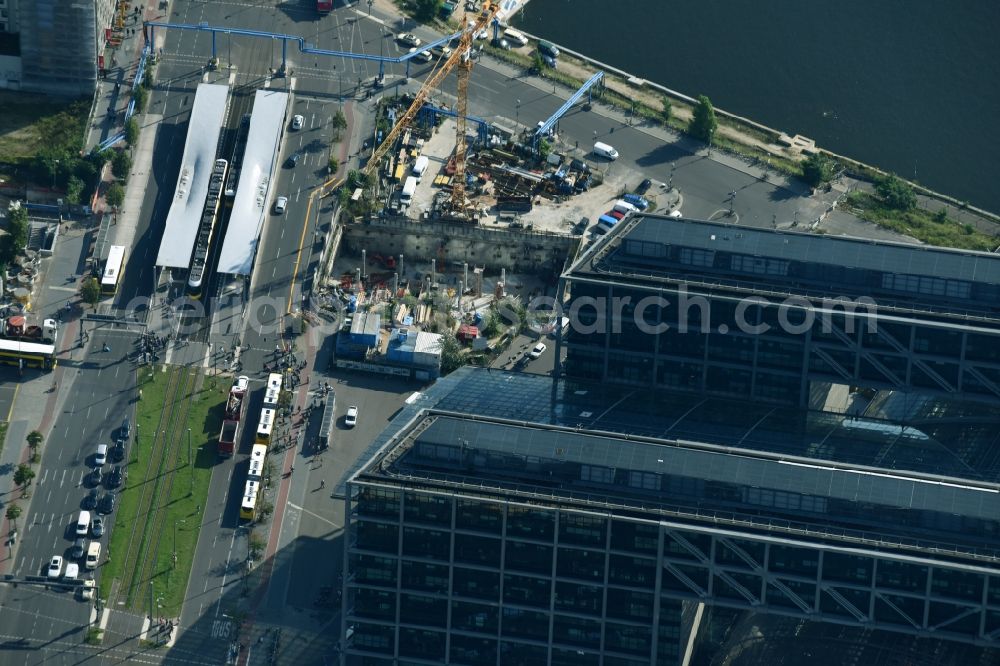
140 556
169 467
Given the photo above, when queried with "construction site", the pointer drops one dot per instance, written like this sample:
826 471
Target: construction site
453 222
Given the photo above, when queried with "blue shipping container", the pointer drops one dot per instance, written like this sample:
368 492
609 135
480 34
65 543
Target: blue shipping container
607 220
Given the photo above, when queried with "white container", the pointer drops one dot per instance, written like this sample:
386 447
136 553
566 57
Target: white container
420 167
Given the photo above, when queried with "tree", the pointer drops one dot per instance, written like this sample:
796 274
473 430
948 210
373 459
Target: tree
115 195
90 292
334 164
74 189
451 353
121 165
339 120
537 62
141 96
18 227
35 440
13 513
703 123
23 475
896 193
256 545
357 178
425 10
131 132
491 324
544 148
816 170
667 110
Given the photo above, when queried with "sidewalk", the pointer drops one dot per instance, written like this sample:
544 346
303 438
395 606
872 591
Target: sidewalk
36 404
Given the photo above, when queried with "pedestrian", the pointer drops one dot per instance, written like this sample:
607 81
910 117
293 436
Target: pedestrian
322 483
291 469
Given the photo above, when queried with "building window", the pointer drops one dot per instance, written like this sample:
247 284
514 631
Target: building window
596 474
644 480
695 257
582 530
758 265
919 284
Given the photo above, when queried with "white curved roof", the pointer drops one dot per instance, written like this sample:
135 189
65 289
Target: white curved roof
207 114
251 202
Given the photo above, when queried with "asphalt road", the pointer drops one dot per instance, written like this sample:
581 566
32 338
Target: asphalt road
53 622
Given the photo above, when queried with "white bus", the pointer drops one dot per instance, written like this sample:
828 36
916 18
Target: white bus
113 269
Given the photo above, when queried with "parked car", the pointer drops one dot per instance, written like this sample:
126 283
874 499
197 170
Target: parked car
297 122
644 186
351 419
280 204
441 51
89 502
97 526
126 430
79 549
117 476
408 39
96 476
537 350
423 56
117 452
82 523
55 567
101 456
108 503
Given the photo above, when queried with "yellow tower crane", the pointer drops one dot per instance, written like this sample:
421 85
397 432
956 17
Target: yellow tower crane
462 58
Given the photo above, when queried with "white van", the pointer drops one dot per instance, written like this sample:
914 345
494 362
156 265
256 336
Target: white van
604 150
515 37
624 207
72 571
409 187
83 524
93 554
420 167
101 456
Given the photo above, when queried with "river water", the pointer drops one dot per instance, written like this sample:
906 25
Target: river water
911 86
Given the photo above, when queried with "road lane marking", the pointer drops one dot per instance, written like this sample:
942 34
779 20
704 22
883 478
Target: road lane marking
316 516
63 479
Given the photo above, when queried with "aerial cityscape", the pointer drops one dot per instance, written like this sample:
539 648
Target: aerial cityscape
390 333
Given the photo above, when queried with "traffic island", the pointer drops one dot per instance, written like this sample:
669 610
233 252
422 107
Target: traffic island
170 462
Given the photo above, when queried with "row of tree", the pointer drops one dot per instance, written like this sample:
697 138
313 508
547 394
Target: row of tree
24 475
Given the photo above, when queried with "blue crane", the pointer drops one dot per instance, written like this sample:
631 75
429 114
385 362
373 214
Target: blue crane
574 98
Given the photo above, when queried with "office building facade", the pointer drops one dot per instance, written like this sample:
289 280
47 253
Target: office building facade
61 43
503 519
722 309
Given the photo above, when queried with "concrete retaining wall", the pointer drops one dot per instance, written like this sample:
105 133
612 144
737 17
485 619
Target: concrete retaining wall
518 251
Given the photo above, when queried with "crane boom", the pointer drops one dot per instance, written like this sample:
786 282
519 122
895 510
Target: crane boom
458 56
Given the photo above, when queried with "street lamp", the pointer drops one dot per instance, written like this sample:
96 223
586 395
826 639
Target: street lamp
175 540
710 133
370 3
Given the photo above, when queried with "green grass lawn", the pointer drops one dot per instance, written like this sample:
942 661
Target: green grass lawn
204 420
3 433
921 224
32 122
